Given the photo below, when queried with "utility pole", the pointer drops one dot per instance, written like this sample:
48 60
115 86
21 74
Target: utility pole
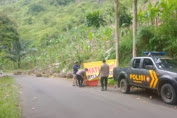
116 4
134 26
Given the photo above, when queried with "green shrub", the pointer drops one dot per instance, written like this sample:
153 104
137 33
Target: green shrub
125 20
125 49
61 2
94 19
112 82
35 9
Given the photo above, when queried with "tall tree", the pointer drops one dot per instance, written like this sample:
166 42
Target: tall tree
134 26
116 5
8 32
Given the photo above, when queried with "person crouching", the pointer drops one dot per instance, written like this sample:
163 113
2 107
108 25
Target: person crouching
81 75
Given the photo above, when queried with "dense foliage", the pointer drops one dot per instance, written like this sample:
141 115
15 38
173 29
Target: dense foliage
8 33
94 19
67 30
159 29
61 2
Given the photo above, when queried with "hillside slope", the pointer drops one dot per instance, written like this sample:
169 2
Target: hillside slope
61 33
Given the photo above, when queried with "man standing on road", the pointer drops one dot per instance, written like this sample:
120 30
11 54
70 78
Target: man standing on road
104 73
76 66
81 75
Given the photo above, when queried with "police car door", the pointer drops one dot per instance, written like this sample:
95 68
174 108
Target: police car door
147 70
134 73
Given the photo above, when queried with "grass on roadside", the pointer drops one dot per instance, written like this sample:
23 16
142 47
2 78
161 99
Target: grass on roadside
9 98
112 82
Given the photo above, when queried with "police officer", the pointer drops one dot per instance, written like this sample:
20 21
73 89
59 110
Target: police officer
81 75
104 73
76 66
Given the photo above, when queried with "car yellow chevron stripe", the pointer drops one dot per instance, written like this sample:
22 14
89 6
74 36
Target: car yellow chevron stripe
152 79
156 79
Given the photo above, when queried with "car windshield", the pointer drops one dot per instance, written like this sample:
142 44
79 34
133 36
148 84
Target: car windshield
166 63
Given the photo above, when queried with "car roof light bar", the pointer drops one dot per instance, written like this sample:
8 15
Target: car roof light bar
154 53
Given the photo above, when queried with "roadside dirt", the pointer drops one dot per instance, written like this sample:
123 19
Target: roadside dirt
50 71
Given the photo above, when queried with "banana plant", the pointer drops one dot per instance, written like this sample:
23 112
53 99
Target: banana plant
153 11
18 51
168 8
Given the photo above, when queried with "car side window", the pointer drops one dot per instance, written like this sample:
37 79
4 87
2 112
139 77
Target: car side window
136 63
147 63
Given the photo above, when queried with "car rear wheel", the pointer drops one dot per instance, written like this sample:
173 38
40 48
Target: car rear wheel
124 87
168 94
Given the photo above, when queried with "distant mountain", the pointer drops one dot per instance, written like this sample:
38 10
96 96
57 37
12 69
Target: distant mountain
36 18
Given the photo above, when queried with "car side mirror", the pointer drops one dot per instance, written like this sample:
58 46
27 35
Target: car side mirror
150 67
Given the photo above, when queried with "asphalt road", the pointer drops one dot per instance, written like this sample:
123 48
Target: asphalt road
57 98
